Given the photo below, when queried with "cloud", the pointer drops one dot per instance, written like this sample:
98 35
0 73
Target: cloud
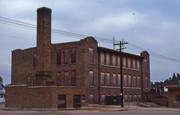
121 21
153 25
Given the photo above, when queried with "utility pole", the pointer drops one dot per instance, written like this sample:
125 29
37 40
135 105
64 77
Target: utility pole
121 47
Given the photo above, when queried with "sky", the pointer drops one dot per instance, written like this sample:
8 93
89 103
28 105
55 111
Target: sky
152 25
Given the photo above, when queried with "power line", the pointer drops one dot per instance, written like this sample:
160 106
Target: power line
5 20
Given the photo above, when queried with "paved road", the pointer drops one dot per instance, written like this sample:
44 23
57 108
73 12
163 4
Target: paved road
137 111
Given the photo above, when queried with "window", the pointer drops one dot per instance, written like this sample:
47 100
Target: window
107 59
118 61
91 77
138 64
138 82
119 79
91 55
125 80
73 55
134 81
114 80
67 78
34 60
129 81
146 82
124 61
65 59
73 78
102 58
59 57
102 79
107 82
178 98
114 60
134 64
129 63
59 79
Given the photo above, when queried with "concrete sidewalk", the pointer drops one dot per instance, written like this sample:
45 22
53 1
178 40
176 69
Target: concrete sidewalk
91 107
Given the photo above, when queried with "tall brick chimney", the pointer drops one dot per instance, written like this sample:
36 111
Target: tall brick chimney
43 41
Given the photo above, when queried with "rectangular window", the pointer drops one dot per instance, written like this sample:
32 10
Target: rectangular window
114 60
91 55
125 80
73 78
178 98
66 78
59 79
124 61
91 77
73 55
59 57
102 79
134 64
65 56
119 79
114 80
134 81
107 82
129 81
118 61
138 64
138 82
107 59
102 58
34 61
129 63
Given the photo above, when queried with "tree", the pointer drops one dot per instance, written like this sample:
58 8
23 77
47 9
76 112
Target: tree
174 76
1 80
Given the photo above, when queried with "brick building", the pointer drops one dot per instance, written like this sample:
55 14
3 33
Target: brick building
72 74
174 95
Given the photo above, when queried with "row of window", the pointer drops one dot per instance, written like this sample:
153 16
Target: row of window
62 56
107 79
127 98
66 78
114 60
73 56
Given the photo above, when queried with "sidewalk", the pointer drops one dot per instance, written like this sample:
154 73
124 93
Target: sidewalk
94 107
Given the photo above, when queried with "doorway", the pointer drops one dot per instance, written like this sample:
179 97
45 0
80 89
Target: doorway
61 101
76 101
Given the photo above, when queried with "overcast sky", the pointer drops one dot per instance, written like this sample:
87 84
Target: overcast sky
153 25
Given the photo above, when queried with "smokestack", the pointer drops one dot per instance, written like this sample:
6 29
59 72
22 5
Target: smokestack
43 26
43 39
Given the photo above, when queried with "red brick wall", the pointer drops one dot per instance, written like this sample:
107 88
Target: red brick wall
22 66
40 96
172 97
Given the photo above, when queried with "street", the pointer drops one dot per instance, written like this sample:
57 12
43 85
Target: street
135 111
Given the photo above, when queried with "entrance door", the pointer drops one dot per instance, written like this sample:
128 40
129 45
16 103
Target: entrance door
76 101
61 101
